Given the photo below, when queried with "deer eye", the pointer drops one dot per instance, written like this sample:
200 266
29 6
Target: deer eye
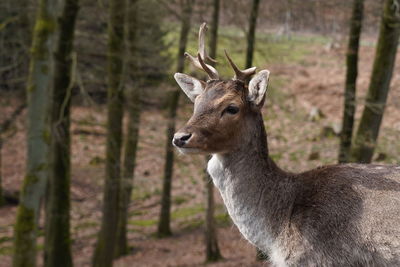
232 110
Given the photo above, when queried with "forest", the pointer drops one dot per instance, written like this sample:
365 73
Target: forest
89 107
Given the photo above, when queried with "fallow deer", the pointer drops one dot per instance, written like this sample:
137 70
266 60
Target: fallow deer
336 215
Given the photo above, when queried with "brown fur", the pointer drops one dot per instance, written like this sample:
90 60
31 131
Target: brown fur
338 215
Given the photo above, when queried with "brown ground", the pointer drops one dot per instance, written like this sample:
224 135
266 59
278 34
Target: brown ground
316 81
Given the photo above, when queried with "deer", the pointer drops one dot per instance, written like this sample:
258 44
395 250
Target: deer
334 215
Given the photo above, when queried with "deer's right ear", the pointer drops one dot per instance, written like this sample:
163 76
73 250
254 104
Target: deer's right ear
191 86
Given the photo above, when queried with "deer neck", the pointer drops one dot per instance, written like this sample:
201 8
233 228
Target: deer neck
258 195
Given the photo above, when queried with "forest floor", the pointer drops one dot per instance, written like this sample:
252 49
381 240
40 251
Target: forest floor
312 79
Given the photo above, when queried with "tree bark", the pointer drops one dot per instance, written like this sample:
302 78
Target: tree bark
164 221
107 239
57 236
368 130
213 253
2 200
132 136
211 238
38 133
3 128
351 79
251 33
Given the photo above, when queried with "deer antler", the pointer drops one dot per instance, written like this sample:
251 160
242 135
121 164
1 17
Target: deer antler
202 55
242 75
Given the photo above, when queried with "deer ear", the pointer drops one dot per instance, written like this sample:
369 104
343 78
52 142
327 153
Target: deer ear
257 88
191 86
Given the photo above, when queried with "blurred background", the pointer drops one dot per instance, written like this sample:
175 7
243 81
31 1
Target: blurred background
88 107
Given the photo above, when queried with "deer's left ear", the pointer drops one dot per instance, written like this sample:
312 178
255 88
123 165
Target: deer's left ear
257 88
191 86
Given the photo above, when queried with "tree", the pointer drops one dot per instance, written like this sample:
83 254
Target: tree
212 250
132 106
351 79
4 126
57 234
368 130
107 238
38 133
251 33
164 221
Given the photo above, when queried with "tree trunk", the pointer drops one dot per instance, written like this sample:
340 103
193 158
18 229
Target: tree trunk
368 130
212 250
107 239
351 79
57 236
132 137
164 222
211 238
251 33
2 200
38 133
3 128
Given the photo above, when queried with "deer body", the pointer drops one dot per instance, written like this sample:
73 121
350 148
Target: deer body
332 216
338 215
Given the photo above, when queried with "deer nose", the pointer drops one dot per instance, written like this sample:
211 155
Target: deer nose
181 138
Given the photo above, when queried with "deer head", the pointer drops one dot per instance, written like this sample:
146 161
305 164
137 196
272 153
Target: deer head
221 107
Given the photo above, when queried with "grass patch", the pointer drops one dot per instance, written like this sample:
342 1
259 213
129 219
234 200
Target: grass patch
187 212
140 195
6 251
85 225
143 223
269 47
178 200
137 213
223 219
191 224
4 239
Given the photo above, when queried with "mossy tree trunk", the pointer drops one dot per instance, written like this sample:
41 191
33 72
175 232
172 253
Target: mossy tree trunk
132 106
38 133
211 238
57 235
107 238
164 221
368 130
351 79
251 34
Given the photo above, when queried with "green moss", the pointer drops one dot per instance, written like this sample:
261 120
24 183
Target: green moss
43 28
31 88
25 237
46 136
25 220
